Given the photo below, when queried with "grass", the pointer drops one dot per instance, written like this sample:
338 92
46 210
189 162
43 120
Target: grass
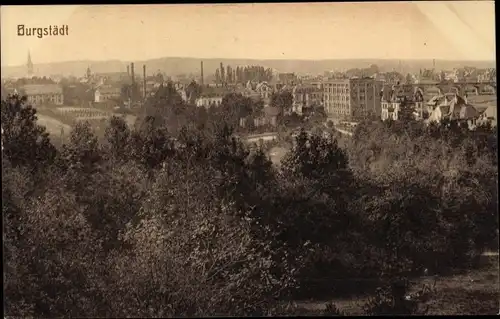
473 292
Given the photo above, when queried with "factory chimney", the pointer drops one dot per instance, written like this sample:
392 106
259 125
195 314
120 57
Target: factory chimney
132 72
128 70
201 73
144 79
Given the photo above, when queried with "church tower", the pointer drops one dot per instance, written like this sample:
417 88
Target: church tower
30 65
88 74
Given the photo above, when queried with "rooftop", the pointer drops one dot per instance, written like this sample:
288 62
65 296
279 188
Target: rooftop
109 90
35 89
490 111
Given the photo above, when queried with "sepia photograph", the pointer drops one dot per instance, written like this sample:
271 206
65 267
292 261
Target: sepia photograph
259 159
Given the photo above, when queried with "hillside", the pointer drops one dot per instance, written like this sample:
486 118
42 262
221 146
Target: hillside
178 65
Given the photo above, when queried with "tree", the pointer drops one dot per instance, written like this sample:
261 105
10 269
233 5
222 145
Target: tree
193 91
236 104
166 107
374 69
409 79
117 137
150 144
229 74
282 100
24 142
257 107
222 74
406 111
80 157
217 77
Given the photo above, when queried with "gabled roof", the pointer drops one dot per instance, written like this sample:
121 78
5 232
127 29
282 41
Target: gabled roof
468 112
490 111
458 108
35 89
481 108
262 84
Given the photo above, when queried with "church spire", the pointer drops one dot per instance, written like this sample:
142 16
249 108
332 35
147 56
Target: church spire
88 74
30 64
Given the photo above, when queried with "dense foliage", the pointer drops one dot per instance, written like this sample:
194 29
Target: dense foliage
174 219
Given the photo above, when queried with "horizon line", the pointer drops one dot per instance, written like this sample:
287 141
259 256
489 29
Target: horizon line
258 59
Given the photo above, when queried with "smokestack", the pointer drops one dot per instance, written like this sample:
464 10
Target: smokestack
202 73
128 70
144 78
132 72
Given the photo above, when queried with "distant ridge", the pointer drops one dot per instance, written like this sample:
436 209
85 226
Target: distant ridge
178 65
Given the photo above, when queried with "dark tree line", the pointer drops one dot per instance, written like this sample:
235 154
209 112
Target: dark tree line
242 74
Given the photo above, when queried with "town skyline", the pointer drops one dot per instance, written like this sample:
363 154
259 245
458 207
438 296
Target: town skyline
175 66
306 32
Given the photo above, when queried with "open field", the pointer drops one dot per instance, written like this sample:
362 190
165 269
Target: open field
53 121
53 125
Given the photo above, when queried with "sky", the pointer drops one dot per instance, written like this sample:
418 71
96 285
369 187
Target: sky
461 30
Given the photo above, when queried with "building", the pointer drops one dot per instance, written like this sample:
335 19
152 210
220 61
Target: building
487 90
250 93
306 96
489 114
264 89
151 87
422 111
106 93
391 98
208 101
270 117
390 103
44 94
352 99
454 107
488 75
211 96
182 92
114 77
287 78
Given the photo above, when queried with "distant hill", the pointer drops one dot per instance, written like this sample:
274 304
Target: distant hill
74 68
175 66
